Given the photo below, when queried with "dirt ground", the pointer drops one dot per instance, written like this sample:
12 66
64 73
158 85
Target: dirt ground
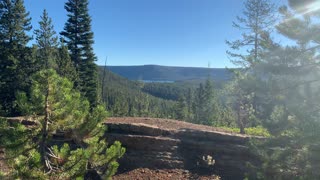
169 174
168 124
161 123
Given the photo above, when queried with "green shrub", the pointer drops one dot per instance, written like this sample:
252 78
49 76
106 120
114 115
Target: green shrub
2 175
255 131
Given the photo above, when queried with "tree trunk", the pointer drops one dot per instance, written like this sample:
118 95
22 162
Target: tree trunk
256 49
239 114
43 143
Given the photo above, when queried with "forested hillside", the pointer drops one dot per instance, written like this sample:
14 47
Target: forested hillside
169 73
124 97
199 102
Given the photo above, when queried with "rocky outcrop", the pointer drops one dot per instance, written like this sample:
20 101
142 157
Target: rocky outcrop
195 149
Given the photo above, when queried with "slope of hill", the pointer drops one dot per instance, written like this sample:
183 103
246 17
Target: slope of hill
168 73
127 98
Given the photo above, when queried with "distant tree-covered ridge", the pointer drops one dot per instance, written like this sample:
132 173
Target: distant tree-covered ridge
170 73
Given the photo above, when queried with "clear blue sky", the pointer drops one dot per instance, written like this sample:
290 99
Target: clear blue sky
163 32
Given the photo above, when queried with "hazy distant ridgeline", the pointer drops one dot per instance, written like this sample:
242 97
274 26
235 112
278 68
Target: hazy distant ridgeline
169 73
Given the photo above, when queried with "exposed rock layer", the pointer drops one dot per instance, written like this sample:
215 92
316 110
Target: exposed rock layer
164 144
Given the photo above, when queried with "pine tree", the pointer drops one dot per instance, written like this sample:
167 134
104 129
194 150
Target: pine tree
14 23
205 106
209 109
47 42
65 66
59 112
181 108
79 39
198 105
291 81
49 54
256 25
15 61
189 101
143 106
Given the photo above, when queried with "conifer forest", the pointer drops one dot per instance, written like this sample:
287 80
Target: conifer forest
52 79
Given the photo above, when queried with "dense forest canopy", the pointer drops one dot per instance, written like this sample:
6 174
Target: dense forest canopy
272 92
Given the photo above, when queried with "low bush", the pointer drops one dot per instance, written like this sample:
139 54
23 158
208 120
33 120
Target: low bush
255 131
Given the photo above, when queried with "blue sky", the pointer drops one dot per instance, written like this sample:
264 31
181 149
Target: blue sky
163 32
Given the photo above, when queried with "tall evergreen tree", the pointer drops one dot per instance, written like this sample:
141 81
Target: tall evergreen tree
79 38
198 105
209 110
47 42
49 54
256 24
181 108
205 107
189 100
15 62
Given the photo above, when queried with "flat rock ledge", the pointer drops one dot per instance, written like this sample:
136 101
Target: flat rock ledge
168 144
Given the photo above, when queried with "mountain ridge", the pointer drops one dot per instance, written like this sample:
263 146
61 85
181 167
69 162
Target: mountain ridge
170 73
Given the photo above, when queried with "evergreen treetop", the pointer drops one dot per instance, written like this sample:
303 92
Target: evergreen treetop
47 42
77 31
79 39
14 22
256 24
